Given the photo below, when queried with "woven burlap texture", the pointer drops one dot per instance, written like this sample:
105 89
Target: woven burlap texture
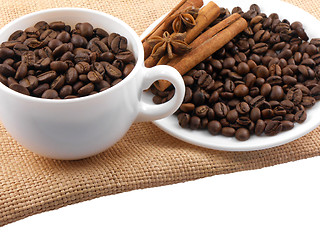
145 157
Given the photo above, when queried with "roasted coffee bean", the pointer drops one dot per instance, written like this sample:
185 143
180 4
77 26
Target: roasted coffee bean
38 91
277 93
22 71
243 108
201 111
272 128
242 134
286 125
300 116
184 120
220 109
95 76
214 127
50 94
187 107
82 67
47 76
7 70
228 131
241 90
59 66
58 82
255 114
65 91
308 101
19 88
194 122
232 116
86 30
112 71
295 95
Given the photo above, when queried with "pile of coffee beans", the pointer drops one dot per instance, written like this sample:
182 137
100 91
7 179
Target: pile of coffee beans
54 61
261 82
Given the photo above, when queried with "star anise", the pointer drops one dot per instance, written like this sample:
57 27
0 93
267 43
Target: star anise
185 19
168 44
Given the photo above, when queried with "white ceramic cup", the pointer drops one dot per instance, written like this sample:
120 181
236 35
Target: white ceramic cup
78 128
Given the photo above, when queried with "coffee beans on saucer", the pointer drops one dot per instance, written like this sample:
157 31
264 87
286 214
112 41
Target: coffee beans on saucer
261 82
54 61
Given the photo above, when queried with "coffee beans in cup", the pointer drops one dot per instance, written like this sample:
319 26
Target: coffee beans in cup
54 61
260 83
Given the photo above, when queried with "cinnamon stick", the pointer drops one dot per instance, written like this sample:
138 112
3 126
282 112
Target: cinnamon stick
223 33
165 24
210 46
205 17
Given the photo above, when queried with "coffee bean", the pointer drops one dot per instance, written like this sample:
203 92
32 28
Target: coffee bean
232 116
300 116
22 71
47 76
20 89
50 94
228 131
214 127
276 93
195 122
82 67
86 90
241 90
7 70
242 134
272 128
86 30
260 126
95 76
112 71
255 114
184 120
220 109
58 82
59 66
286 125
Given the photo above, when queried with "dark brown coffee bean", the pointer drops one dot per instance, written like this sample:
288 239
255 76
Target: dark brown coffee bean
38 91
232 116
54 43
86 90
3 80
220 109
277 93
22 71
214 127
315 91
184 120
229 63
58 25
7 70
86 30
241 90
300 116
50 94
187 107
95 76
112 71
228 131
308 101
6 53
66 90
243 68
58 66
125 56
118 44
194 122
242 134
47 76
82 67
58 83
64 37
260 48
259 127
272 128
20 89
262 71
295 95
255 114
286 125
243 108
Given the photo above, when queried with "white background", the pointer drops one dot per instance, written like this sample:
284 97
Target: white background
279 202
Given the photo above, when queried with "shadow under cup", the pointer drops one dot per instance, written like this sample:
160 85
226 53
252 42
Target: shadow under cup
73 128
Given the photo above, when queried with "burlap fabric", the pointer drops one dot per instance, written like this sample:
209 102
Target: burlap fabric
145 157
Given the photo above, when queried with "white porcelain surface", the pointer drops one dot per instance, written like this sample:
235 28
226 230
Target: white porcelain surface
203 138
78 128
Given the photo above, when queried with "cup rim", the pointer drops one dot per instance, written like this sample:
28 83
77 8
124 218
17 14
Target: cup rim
138 64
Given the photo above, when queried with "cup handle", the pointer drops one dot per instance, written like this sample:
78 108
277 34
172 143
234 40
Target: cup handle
151 112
